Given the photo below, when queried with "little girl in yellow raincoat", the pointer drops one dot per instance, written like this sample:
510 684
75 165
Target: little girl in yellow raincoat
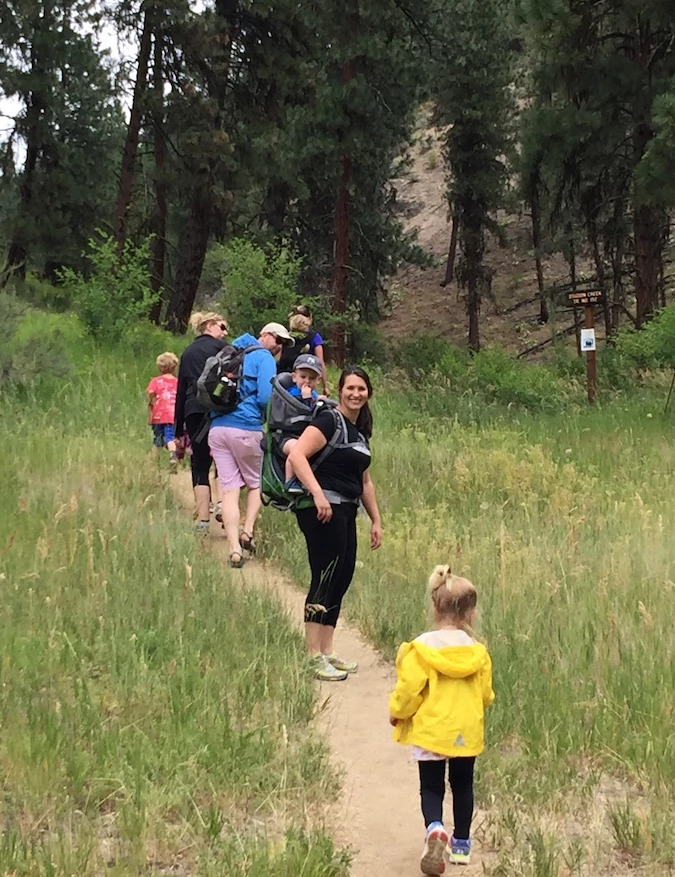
444 684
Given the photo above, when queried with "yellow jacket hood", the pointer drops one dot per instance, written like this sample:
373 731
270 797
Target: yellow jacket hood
456 662
440 697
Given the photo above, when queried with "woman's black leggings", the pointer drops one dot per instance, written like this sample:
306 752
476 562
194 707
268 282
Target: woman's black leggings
432 792
332 557
201 454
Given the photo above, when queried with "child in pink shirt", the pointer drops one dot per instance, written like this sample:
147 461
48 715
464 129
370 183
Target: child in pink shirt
161 393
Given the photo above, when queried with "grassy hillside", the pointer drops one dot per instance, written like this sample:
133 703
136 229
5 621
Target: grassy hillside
564 522
155 719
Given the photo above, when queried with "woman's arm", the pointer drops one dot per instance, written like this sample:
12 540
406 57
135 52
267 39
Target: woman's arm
318 351
179 414
370 504
310 443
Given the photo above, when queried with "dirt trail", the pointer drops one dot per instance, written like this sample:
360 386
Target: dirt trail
378 814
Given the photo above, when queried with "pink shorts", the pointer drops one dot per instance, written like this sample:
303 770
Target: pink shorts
237 454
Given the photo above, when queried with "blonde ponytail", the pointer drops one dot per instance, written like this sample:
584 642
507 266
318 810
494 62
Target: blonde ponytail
453 597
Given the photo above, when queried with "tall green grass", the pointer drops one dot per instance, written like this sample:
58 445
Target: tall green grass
565 524
154 717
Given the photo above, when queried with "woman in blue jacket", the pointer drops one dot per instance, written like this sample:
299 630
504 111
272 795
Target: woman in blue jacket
234 438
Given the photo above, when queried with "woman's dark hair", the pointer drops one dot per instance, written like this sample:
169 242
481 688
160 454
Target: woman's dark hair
364 422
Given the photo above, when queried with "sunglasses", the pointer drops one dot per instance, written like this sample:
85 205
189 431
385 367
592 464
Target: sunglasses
280 341
223 326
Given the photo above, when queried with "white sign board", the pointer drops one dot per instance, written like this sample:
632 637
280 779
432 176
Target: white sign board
587 340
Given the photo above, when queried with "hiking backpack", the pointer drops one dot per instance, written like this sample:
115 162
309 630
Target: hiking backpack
287 417
218 386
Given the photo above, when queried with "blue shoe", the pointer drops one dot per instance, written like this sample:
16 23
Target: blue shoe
293 486
434 854
460 851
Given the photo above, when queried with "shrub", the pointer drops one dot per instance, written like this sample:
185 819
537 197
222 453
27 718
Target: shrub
503 378
260 283
43 294
146 339
368 346
117 293
34 344
653 346
420 356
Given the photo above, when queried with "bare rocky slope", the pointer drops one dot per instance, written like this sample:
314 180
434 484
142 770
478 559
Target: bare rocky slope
420 306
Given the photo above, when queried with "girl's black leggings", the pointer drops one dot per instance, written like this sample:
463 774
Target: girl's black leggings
331 549
432 792
200 461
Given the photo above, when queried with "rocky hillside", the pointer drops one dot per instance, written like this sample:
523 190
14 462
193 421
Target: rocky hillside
420 305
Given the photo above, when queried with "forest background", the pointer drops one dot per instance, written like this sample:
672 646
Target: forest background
268 146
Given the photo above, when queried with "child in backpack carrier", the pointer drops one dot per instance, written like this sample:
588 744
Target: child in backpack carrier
161 396
307 371
444 685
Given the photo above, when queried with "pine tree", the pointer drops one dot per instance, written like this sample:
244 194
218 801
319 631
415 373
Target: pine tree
471 89
69 122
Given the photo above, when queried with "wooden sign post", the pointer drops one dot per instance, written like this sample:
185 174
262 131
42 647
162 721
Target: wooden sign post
589 298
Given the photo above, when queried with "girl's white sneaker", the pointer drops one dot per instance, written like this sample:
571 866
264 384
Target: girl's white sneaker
434 854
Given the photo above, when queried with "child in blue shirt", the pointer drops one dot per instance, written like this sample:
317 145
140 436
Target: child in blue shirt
307 370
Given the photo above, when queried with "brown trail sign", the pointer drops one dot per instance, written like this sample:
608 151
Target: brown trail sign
589 298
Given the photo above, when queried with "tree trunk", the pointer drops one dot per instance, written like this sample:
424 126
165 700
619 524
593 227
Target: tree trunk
38 112
158 251
275 208
473 307
133 131
601 275
191 252
647 231
452 252
535 210
342 214
472 274
340 276
646 217
617 263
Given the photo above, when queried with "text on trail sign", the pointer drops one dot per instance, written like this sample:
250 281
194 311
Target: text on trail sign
585 297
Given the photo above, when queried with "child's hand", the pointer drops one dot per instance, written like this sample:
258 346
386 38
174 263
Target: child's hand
306 391
392 721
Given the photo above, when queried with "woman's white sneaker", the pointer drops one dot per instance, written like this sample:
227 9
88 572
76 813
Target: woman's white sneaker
325 671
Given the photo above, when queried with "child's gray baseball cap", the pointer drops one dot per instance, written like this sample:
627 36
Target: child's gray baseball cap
307 360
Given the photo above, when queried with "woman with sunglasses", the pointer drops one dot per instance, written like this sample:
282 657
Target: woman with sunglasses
211 330
234 438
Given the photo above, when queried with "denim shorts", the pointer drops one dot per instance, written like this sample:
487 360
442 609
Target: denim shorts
163 434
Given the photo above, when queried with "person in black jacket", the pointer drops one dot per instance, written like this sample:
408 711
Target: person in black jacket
211 330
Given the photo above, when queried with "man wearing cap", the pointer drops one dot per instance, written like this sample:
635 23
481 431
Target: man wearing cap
234 438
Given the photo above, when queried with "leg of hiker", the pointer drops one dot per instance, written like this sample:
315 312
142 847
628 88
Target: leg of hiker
432 790
253 506
331 548
229 499
460 775
287 448
201 464
237 456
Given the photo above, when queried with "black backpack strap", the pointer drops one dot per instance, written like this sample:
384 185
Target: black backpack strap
340 436
204 427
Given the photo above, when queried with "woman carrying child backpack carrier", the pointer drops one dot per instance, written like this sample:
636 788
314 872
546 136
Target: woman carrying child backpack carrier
336 485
